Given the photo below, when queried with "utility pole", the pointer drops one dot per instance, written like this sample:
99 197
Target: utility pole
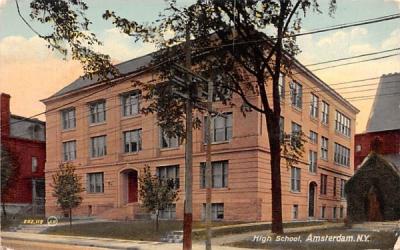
208 164
188 216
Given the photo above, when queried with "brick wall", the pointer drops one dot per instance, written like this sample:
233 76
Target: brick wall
390 145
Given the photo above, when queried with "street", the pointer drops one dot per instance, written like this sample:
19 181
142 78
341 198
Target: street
29 245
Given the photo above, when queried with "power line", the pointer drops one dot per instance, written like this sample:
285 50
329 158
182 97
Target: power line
352 57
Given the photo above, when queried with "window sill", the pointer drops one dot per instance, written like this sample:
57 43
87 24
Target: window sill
169 149
68 129
96 158
314 119
130 153
217 142
216 189
323 159
97 124
95 193
126 117
325 125
341 165
297 109
295 192
342 135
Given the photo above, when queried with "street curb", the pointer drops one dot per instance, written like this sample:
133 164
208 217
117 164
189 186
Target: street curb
78 241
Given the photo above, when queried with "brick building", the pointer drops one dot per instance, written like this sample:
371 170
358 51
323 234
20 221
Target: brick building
99 128
383 123
24 138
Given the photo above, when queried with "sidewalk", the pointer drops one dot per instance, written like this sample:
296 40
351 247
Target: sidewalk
103 242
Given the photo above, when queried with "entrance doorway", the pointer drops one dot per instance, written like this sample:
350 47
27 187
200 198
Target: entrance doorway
129 186
311 199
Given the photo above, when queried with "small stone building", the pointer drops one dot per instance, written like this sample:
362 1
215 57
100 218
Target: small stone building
373 193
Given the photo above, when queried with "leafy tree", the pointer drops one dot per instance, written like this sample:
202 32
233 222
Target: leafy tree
250 43
9 173
156 194
67 187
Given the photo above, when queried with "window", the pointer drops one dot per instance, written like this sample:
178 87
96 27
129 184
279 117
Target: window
69 150
313 137
342 124
217 211
342 155
281 86
295 179
133 141
95 183
296 94
312 155
130 103
221 128
97 112
314 106
334 212
323 209
341 211
169 173
324 183
169 213
325 113
68 118
34 164
295 212
221 91
342 184
219 174
334 186
282 129
324 148
296 131
168 142
99 147
358 148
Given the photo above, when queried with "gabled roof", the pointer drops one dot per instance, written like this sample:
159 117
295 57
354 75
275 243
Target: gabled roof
385 112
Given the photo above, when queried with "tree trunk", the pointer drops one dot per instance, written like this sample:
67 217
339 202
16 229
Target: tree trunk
157 221
4 209
276 190
70 218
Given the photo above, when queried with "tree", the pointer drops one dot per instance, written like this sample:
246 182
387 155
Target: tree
9 173
250 43
156 194
67 188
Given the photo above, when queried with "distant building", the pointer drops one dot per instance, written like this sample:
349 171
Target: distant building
102 132
24 138
384 122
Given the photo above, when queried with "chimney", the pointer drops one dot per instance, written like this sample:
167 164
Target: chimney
5 114
376 145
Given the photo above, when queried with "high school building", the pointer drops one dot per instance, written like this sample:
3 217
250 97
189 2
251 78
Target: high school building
98 127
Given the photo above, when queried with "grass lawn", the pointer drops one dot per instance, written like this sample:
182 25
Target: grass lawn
377 240
130 230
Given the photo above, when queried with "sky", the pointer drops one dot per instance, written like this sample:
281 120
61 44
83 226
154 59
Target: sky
29 71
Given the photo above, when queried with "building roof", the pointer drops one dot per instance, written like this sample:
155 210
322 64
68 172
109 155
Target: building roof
385 112
139 63
124 68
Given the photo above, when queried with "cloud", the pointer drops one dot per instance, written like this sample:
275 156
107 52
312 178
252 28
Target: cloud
30 72
122 47
358 32
394 1
2 3
392 41
363 48
335 38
